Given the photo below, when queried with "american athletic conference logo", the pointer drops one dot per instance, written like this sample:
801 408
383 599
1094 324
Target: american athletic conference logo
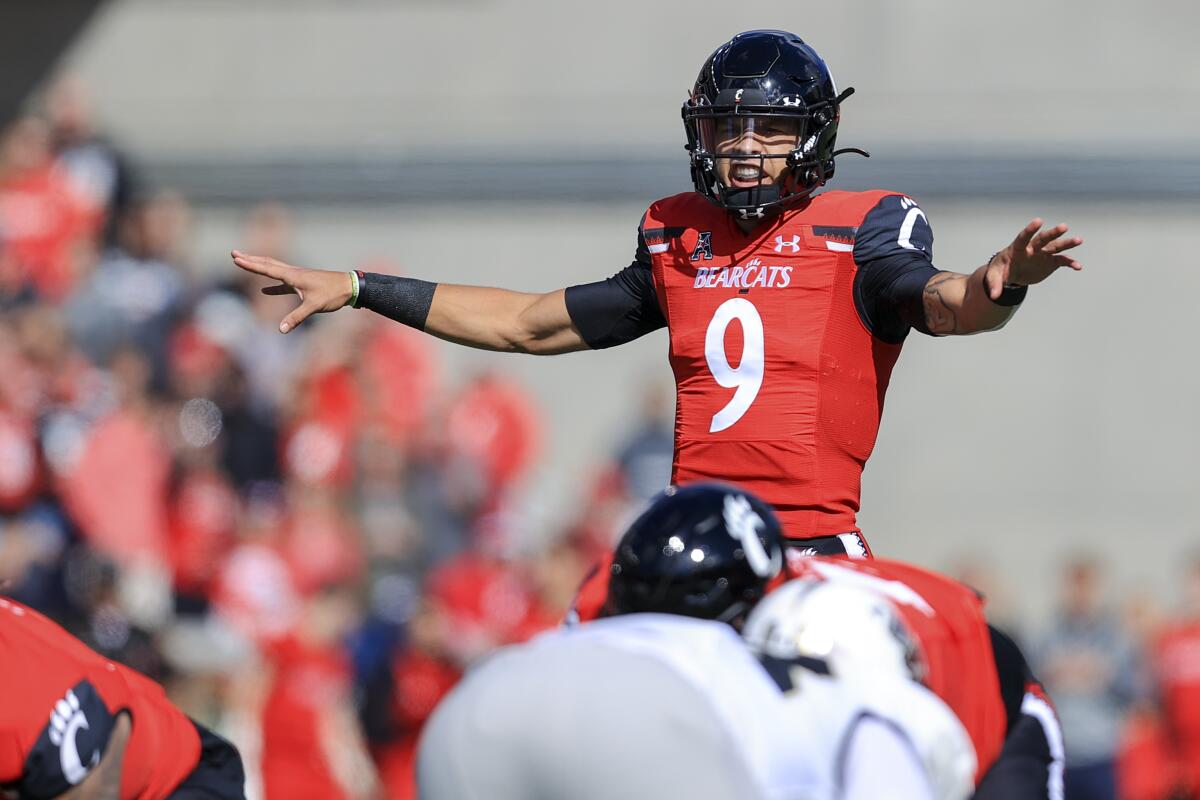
792 246
703 248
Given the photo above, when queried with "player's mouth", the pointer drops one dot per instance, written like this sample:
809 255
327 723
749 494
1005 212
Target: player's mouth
747 175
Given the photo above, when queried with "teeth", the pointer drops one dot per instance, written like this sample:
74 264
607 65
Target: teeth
745 173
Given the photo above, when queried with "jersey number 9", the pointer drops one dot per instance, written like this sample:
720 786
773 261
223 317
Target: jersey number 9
747 376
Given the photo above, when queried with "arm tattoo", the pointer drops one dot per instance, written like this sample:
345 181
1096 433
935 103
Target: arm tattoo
940 316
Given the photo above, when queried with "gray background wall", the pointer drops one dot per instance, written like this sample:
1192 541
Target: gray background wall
1073 428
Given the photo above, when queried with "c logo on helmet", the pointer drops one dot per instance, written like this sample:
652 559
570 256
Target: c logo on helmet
743 522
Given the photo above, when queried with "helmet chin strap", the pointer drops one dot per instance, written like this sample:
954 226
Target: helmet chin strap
753 202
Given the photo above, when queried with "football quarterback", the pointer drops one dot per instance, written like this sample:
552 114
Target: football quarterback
787 306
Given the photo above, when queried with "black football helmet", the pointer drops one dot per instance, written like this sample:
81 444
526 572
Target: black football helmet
774 80
705 550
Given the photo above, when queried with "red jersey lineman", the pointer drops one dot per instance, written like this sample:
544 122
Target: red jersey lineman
786 309
978 671
66 707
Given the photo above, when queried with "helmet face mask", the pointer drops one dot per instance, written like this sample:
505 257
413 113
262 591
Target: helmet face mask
765 99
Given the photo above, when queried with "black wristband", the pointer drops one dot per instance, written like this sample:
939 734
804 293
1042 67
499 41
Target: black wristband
406 300
1010 295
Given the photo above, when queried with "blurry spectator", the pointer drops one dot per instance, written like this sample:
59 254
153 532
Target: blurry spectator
399 379
1089 667
48 374
485 595
101 619
1177 672
312 746
493 434
321 543
98 172
44 226
556 574
249 433
203 520
244 321
423 672
117 489
255 591
133 296
645 456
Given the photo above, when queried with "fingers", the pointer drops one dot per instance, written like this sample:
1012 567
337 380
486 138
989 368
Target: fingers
1043 238
1026 235
261 265
993 281
1061 245
1067 261
298 315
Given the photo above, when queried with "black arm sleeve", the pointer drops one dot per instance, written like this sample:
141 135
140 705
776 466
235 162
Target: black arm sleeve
619 309
894 252
1013 673
1023 768
406 300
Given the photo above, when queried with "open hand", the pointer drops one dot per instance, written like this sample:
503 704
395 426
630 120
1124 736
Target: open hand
318 289
1031 258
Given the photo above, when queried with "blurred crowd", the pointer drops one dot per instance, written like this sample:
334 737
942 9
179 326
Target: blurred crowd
307 538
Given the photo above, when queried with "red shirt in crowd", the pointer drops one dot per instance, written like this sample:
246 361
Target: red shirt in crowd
41 222
308 680
1177 662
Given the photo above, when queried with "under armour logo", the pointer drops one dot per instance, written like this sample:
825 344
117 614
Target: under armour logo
790 101
743 523
703 249
756 213
793 246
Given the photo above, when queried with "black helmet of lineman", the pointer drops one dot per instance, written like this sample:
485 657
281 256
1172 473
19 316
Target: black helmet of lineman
705 550
768 78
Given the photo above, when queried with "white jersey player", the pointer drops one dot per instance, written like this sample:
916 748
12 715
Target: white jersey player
664 706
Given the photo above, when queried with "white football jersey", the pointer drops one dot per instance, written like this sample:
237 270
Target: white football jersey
652 706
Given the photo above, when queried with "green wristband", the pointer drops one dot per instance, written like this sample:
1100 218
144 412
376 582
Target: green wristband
353 292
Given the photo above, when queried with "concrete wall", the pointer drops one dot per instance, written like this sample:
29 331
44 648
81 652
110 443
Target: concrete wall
270 77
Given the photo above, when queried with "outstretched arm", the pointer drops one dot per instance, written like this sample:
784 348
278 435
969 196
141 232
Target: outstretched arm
476 316
958 304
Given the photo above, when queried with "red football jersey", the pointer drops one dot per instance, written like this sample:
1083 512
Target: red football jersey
947 619
779 382
60 708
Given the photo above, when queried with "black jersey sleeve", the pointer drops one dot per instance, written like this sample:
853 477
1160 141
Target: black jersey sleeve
70 745
620 309
893 249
